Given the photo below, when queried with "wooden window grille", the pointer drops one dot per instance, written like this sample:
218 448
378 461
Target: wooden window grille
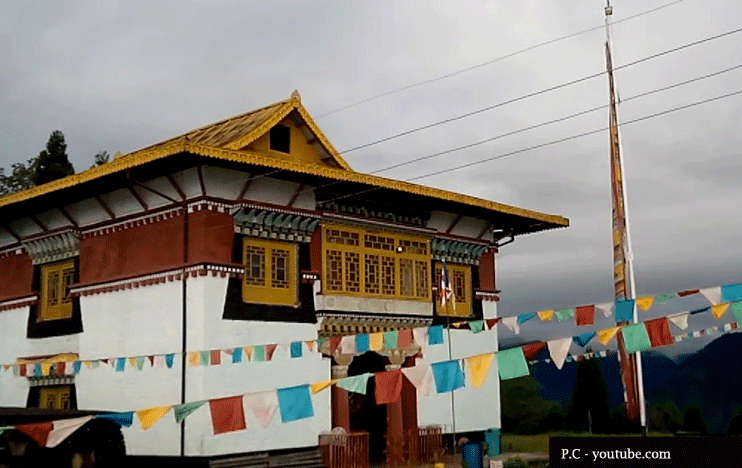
56 302
270 272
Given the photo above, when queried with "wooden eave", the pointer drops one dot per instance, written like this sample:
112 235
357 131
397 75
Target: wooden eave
94 179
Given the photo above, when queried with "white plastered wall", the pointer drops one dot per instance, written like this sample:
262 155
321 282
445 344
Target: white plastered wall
476 409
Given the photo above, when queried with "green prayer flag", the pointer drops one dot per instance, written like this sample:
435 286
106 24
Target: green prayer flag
140 362
737 312
511 363
476 326
635 338
663 298
182 411
356 384
564 314
258 353
390 339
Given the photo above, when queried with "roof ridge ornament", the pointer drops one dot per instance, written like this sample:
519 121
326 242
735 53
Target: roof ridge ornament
295 96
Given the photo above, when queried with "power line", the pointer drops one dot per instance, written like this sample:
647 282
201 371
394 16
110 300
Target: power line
489 62
542 124
542 91
549 143
549 122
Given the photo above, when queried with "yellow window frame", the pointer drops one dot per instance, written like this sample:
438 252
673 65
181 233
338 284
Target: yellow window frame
278 272
360 262
56 303
460 281
55 397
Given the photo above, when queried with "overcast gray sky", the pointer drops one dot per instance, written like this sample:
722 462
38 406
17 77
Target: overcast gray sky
119 76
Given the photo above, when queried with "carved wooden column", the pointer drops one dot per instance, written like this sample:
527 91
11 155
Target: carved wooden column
394 424
340 401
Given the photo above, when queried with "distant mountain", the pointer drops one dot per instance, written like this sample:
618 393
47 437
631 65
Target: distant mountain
557 385
710 378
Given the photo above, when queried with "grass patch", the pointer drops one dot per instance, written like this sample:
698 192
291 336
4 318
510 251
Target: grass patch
540 443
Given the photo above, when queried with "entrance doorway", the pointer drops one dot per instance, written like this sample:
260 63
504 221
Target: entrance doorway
365 414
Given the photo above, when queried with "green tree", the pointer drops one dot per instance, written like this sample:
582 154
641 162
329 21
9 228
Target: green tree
590 401
735 423
20 177
524 411
101 158
665 417
53 163
693 420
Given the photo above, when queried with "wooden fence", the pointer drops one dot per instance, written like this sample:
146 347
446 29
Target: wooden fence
344 450
424 445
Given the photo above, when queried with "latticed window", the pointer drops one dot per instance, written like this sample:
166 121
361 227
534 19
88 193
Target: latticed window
56 280
270 272
55 397
459 277
375 264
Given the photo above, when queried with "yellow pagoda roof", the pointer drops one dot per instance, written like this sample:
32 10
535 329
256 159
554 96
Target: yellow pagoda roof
228 140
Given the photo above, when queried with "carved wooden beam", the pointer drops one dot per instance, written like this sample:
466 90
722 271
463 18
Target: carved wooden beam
176 186
201 180
249 180
67 215
137 197
38 223
11 232
453 224
487 227
104 206
297 192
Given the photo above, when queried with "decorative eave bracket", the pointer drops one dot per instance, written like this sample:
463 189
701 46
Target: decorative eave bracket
52 248
457 251
274 224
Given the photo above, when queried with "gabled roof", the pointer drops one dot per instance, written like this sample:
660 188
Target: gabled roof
228 140
239 131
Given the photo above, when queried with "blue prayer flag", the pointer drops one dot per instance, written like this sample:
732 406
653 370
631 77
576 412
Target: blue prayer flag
236 355
435 335
169 360
296 350
731 293
583 338
362 343
448 376
625 310
523 318
122 419
120 364
295 403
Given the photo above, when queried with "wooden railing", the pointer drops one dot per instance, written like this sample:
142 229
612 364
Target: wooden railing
344 450
424 445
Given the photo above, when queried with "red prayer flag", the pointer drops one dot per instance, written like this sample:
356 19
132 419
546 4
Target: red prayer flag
388 386
492 322
39 432
151 360
659 332
269 350
227 415
585 315
334 343
688 292
404 338
60 367
22 370
530 351
215 357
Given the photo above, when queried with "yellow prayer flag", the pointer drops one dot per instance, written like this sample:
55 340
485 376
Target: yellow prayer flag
606 335
546 315
718 310
248 352
147 417
310 345
46 368
458 324
478 367
194 359
376 341
88 364
645 303
319 386
132 361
